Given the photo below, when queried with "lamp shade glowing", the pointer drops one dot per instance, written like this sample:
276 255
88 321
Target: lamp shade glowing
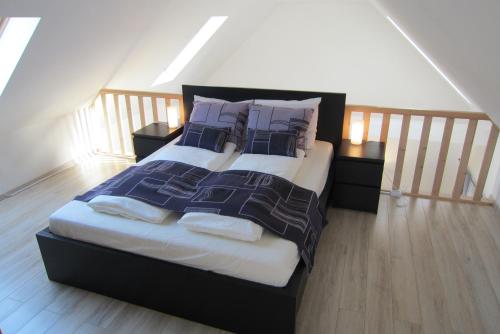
172 117
357 129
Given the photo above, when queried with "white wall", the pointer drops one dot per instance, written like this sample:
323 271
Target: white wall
461 36
82 46
73 53
161 43
30 151
343 46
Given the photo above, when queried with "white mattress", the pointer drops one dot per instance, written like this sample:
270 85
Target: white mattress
271 260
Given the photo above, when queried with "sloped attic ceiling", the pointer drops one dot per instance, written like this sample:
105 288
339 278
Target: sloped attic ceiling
78 47
345 46
82 46
166 38
337 45
75 50
462 37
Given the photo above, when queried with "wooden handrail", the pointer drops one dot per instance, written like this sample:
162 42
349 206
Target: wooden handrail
141 93
419 112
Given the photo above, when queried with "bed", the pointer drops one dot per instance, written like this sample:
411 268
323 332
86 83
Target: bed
233 299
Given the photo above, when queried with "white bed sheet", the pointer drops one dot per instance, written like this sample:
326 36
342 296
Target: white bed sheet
271 260
285 167
313 173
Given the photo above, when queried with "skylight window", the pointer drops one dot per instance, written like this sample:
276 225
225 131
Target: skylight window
191 49
429 60
13 40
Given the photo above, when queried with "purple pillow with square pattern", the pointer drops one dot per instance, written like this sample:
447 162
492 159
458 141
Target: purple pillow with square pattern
281 119
222 115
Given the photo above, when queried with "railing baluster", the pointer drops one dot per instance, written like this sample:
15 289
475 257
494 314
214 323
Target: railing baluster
89 124
119 123
155 108
443 156
485 165
403 140
181 110
464 159
106 121
130 118
347 123
366 124
86 114
422 149
168 103
384 132
141 111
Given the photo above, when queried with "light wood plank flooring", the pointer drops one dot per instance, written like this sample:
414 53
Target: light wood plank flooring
428 267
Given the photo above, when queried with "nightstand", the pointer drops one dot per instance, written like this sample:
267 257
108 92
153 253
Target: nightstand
358 175
150 138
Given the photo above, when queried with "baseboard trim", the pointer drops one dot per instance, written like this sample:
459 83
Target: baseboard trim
496 205
116 156
35 181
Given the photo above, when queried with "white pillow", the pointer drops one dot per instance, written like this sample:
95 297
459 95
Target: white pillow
229 227
285 167
128 208
198 98
310 135
192 155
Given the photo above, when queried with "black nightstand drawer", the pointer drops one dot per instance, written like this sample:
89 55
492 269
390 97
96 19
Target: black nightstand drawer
145 146
356 197
153 137
359 173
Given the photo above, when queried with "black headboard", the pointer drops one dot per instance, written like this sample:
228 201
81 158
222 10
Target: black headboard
331 108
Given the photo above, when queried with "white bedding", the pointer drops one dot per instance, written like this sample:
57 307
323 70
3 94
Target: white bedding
285 167
129 208
313 173
270 260
225 226
192 155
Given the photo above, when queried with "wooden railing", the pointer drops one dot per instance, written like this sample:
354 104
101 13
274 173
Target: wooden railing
440 167
121 112
428 119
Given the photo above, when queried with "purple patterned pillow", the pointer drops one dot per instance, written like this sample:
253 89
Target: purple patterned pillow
271 142
204 136
281 119
222 115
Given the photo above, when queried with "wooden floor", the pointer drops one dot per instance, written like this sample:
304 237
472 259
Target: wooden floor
424 268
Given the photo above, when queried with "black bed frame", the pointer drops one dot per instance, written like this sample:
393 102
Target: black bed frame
217 300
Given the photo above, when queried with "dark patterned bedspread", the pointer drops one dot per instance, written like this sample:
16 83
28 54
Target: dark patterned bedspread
276 204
